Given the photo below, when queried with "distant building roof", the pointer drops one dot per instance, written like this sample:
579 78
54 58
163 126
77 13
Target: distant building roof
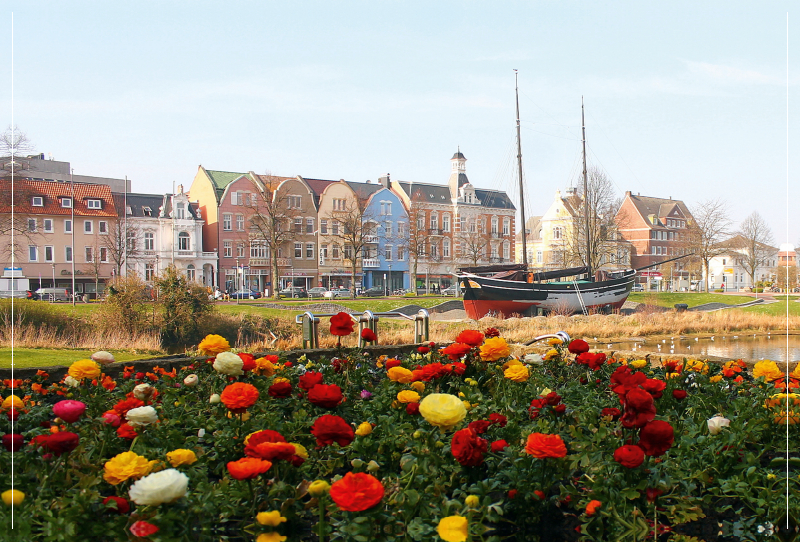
52 193
660 207
221 180
437 193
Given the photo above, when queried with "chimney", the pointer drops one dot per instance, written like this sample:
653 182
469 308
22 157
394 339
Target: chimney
627 193
384 181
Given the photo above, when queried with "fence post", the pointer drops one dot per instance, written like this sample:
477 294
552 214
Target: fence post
369 321
310 331
422 326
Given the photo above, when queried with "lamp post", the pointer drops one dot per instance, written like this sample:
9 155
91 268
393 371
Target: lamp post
389 286
54 274
236 282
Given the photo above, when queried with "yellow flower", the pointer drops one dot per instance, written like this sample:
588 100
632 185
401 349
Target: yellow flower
399 374
552 353
494 348
180 457
545 391
554 341
265 367
443 410
715 378
771 476
318 488
512 361
364 429
639 363
467 405
782 399
13 497
768 369
279 380
244 415
668 376
796 372
271 519
84 368
125 466
783 419
418 386
517 373
270 537
697 366
300 450
213 345
408 396
453 529
472 501
12 401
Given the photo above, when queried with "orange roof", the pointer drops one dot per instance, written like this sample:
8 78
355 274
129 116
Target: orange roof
52 193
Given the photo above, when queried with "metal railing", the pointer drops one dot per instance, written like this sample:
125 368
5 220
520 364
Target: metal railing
310 325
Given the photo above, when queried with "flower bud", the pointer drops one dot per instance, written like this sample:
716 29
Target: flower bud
13 497
103 358
214 399
143 391
191 381
716 424
357 463
373 466
364 429
472 501
318 488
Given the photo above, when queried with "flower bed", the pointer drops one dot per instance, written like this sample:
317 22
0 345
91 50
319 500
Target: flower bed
459 443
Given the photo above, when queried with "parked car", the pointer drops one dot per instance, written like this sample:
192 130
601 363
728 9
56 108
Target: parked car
245 294
54 294
375 291
293 291
338 292
32 295
638 288
318 291
452 291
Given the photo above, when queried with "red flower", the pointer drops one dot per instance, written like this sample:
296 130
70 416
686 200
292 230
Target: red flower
654 387
467 447
69 411
499 419
123 506
13 442
653 494
542 445
143 529
329 429
594 361
368 335
126 431
472 337
357 492
512 493
625 381
124 406
592 507
433 370
248 362
639 408
629 456
456 351
310 379
656 437
423 349
491 332
269 445
680 395
613 412
325 395
479 426
239 397
578 346
272 358
412 408
280 389
456 367
61 443
539 494
499 446
341 324
391 362
248 468
552 398
560 409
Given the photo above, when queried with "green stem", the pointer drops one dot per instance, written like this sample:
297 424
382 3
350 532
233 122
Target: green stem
252 495
133 443
321 526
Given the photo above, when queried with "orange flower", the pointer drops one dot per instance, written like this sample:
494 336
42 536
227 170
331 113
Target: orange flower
592 507
109 383
494 349
213 345
247 468
471 337
542 445
239 397
357 492
84 368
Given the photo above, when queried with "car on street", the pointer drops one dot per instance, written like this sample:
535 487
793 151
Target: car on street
318 291
293 291
245 294
638 288
452 291
338 292
375 291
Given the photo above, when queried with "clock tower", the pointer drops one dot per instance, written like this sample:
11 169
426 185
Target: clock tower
458 173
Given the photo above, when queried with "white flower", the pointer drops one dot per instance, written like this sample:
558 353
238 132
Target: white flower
228 363
190 381
103 357
159 488
533 358
71 382
141 416
201 433
716 424
214 399
143 391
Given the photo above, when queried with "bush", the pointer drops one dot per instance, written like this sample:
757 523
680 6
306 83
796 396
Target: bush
44 316
183 304
127 305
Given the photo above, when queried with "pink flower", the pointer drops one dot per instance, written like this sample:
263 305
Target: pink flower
69 411
143 529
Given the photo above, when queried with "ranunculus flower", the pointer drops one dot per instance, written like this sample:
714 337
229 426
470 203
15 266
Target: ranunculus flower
280 388
181 456
61 443
767 369
71 382
472 337
656 437
309 380
498 419
248 362
123 507
213 345
13 497
356 492
103 358
214 399
412 408
143 529
716 424
126 466
467 447
443 410
266 366
12 401
341 324
399 374
453 529
368 335
578 346
126 431
680 395
228 363
639 408
423 349
139 417
592 507
13 442
491 332
269 445
517 372
499 445
456 351
329 429
593 361
318 488
543 445
122 407
615 413
325 395
629 456
408 396
494 349
239 396
479 426
248 468
364 429
84 368
654 387
69 411
159 488
143 391
270 519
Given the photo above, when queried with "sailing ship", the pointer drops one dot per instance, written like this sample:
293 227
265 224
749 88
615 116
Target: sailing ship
514 290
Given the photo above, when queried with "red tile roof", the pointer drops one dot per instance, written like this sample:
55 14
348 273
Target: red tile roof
53 192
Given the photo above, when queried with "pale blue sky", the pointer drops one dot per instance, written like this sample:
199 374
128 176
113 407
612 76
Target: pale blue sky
683 100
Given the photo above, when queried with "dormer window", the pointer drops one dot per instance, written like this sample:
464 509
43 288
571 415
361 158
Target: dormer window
128 210
38 201
147 211
94 204
66 203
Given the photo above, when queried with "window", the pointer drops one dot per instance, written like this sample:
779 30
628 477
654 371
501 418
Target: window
38 201
494 251
48 225
387 252
538 256
446 248
227 221
557 233
446 222
348 252
227 249
434 251
506 251
104 254
94 204
401 253
387 229
89 254
472 228
334 227
309 225
239 249
494 224
506 226
401 230
310 251
149 272
324 251
298 225
68 226
68 254
259 249
294 202
238 198
335 252
48 254
33 253
339 205
190 272
130 240
386 208
323 226
180 211
434 221
239 222
147 211
298 250
183 241
421 221
66 203
87 226
31 224
129 210
102 227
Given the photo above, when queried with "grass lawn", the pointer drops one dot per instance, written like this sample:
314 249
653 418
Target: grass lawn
669 299
359 304
776 309
48 357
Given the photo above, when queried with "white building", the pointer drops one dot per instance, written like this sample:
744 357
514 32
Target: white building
727 271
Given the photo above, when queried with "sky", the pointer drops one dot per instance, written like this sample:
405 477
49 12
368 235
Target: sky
683 99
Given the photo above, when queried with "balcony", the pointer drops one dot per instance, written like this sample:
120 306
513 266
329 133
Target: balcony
284 262
370 263
260 262
435 231
496 235
185 253
371 239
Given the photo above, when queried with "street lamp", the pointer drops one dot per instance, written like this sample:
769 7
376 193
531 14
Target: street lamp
236 282
54 274
389 286
385 286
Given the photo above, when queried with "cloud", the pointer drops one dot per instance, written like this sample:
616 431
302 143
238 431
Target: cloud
725 74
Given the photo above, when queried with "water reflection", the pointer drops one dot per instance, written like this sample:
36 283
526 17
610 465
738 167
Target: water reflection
777 347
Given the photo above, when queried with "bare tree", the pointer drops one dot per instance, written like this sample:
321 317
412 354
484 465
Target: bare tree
473 246
13 144
14 220
271 221
356 232
120 243
786 276
752 244
709 226
591 239
416 237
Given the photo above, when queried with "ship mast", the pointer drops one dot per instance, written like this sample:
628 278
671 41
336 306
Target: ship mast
521 193
586 202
